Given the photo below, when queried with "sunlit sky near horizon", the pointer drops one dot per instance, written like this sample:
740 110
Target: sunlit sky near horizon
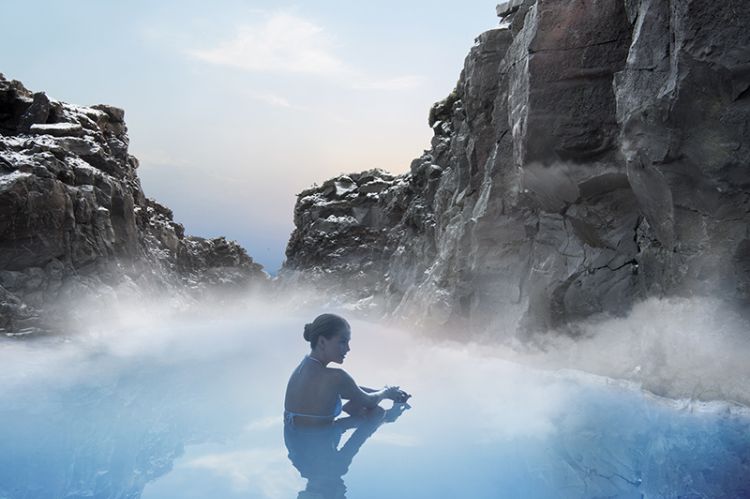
235 107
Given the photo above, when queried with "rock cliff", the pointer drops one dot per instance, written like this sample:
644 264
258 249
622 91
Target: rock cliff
593 153
74 222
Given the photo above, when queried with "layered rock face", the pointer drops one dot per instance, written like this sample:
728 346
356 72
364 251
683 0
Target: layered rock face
74 221
342 235
593 153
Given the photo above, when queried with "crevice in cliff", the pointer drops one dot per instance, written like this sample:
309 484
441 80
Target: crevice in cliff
633 262
743 95
638 221
581 47
528 266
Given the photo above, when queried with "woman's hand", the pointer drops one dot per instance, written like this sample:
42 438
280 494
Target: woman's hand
396 394
402 398
391 392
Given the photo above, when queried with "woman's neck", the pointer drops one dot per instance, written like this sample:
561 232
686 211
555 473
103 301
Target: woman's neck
313 357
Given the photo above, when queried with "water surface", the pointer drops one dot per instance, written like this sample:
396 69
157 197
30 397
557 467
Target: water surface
192 409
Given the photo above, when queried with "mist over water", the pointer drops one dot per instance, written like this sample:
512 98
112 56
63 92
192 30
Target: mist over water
676 347
145 403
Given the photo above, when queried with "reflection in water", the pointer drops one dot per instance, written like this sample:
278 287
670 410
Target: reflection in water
316 453
192 411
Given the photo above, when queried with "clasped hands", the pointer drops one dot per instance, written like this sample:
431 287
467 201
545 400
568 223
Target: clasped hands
396 394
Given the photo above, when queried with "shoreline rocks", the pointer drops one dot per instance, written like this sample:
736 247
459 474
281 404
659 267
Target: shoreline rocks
75 223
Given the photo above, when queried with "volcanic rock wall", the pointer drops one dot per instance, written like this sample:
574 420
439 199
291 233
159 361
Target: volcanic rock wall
593 153
74 221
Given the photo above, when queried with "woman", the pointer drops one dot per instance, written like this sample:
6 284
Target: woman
314 392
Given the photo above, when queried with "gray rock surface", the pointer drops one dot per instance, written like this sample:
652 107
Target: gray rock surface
592 154
75 223
342 234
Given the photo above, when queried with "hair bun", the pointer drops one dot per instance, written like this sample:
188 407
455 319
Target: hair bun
325 325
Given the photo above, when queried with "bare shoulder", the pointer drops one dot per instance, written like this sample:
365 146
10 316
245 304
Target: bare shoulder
339 375
336 372
345 385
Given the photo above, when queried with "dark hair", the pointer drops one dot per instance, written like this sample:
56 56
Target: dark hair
325 325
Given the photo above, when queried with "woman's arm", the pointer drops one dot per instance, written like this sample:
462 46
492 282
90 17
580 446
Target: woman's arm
400 397
363 396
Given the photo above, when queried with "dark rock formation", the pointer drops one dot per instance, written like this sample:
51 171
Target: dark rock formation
592 154
342 235
74 220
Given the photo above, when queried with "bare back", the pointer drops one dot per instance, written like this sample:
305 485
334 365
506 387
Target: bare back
312 389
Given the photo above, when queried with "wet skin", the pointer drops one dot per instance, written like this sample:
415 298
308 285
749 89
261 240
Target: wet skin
314 388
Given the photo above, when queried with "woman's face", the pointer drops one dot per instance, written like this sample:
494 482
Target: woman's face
336 347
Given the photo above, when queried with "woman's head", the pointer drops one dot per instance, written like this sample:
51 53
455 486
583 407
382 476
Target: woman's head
325 326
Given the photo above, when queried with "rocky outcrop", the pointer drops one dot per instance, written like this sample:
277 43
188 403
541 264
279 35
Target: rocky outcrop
592 154
342 234
74 220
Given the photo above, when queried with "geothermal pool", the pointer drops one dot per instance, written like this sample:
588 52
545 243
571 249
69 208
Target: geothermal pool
192 409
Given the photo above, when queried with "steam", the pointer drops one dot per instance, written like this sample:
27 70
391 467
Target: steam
171 382
695 348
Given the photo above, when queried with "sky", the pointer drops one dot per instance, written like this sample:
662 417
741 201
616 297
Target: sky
234 107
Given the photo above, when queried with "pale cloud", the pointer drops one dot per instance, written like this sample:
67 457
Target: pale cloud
283 43
395 439
160 157
273 100
265 469
399 83
263 423
288 43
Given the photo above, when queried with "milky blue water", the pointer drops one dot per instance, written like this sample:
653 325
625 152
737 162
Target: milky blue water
192 409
